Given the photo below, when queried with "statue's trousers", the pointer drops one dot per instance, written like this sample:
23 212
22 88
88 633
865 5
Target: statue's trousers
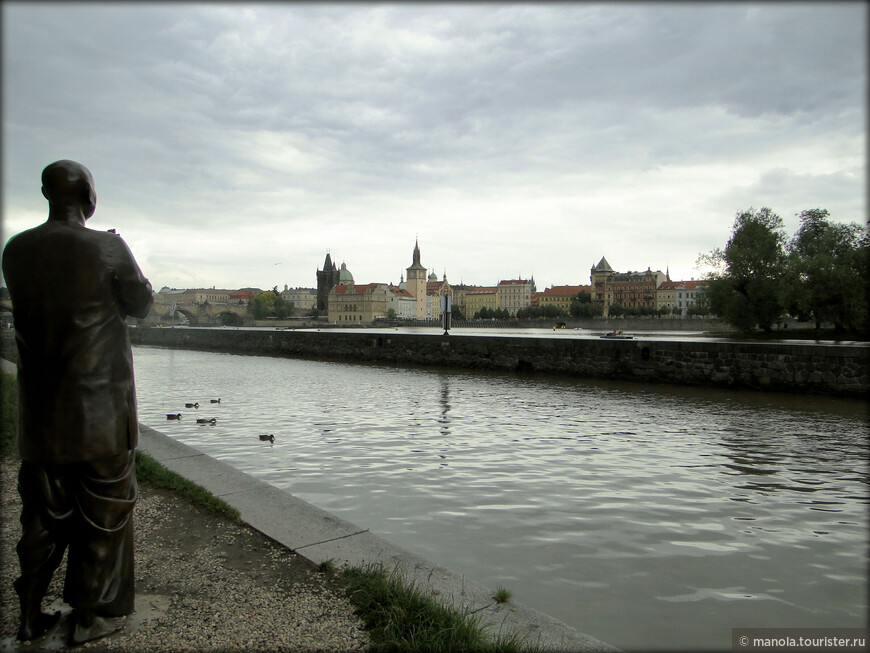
88 508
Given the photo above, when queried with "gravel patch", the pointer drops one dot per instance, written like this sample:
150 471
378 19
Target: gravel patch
203 583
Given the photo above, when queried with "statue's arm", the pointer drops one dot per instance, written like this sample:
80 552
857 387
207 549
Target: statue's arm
135 292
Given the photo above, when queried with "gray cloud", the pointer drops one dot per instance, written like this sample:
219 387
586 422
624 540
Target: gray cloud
548 132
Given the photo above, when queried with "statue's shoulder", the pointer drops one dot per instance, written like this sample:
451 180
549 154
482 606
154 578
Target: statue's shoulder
19 251
22 238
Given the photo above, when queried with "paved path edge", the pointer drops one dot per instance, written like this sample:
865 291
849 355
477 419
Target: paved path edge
320 536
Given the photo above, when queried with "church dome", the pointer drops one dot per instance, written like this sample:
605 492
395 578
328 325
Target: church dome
344 275
433 277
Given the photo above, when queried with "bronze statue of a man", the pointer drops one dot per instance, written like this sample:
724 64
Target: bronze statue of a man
72 289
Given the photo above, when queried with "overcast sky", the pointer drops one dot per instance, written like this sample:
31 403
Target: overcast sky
235 144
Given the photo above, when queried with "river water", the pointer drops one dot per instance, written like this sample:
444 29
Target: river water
651 517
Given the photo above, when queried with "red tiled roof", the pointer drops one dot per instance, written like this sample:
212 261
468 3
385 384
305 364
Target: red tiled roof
692 285
680 285
357 288
565 291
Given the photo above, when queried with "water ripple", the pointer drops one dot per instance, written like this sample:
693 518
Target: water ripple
707 509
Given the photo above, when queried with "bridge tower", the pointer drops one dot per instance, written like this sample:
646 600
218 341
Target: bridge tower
326 279
416 283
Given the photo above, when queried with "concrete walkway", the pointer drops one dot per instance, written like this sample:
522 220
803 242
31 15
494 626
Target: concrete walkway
320 536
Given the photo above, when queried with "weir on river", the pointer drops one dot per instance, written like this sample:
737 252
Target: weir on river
794 367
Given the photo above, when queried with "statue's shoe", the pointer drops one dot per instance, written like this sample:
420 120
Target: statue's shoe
37 626
99 627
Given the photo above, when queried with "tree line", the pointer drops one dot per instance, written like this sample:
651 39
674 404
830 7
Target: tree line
761 276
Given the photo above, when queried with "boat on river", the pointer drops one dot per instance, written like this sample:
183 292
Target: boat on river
617 335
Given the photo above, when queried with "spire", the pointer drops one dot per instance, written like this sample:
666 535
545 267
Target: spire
416 265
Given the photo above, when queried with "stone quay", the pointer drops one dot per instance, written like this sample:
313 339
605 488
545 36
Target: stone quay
829 369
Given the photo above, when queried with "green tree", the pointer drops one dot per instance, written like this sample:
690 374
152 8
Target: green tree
270 304
486 313
264 304
825 278
746 288
283 308
548 311
583 307
700 307
580 305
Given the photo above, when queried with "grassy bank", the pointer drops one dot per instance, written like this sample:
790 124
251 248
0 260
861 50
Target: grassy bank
150 471
401 617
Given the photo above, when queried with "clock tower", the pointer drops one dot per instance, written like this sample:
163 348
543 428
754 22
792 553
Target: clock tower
416 283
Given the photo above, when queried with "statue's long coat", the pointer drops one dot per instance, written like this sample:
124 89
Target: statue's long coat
72 289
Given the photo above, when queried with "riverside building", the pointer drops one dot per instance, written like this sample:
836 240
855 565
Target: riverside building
631 290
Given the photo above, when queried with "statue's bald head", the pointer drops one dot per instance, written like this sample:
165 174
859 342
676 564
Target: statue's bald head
67 185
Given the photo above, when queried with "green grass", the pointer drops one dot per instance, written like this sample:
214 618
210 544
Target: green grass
401 617
150 471
327 567
503 595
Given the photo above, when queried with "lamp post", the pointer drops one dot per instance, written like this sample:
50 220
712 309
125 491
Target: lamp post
446 311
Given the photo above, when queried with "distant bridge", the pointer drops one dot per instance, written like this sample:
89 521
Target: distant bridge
196 314
206 314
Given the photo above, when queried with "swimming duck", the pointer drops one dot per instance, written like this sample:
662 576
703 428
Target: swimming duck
173 416
216 401
267 436
203 420
196 405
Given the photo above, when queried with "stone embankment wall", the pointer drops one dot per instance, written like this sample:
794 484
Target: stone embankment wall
824 369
